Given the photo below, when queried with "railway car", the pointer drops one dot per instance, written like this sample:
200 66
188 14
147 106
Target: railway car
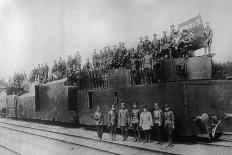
186 86
51 102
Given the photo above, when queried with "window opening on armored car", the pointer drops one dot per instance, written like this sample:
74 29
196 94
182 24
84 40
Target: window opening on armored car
90 100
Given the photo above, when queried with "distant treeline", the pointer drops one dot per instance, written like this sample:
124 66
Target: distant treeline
222 70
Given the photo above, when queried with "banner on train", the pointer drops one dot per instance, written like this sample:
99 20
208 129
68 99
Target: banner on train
195 28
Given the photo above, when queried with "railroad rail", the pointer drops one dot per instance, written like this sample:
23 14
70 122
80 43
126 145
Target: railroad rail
9 150
90 143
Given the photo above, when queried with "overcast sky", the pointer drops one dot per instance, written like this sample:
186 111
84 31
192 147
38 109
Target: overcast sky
39 31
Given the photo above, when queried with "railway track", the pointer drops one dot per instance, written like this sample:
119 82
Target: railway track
90 143
8 150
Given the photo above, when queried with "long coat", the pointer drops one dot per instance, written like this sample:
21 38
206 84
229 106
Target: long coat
123 117
146 120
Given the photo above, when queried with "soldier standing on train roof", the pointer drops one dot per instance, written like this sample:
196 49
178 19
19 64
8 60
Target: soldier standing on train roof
123 120
164 44
158 114
146 44
99 120
169 122
140 44
146 123
46 70
112 122
147 64
174 33
135 114
156 46
208 33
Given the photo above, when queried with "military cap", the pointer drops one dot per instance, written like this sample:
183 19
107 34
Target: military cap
156 104
166 106
122 103
172 25
112 105
154 34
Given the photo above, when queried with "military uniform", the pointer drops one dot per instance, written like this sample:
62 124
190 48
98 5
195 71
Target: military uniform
112 120
99 120
169 122
135 116
156 47
146 124
146 44
164 46
123 118
147 64
158 123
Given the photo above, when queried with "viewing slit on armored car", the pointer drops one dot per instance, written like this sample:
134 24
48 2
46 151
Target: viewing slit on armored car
163 71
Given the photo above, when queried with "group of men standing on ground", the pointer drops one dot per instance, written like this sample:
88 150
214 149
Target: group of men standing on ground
143 121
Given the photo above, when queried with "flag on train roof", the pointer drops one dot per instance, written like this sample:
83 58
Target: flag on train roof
195 27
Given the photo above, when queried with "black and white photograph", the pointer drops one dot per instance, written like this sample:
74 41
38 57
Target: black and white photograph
123 77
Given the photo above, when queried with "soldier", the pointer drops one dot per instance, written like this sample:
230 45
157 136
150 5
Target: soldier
169 122
133 75
99 120
208 33
174 34
135 114
88 70
54 70
157 122
173 49
156 47
123 118
146 123
94 60
164 45
112 121
140 44
38 72
184 43
147 64
146 44
46 70
70 61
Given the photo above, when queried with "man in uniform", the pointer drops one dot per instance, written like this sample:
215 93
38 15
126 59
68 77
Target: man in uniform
146 44
156 46
184 43
123 118
174 33
112 121
99 120
54 71
146 123
135 114
169 121
133 73
88 70
208 33
157 122
147 64
46 70
164 45
140 44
